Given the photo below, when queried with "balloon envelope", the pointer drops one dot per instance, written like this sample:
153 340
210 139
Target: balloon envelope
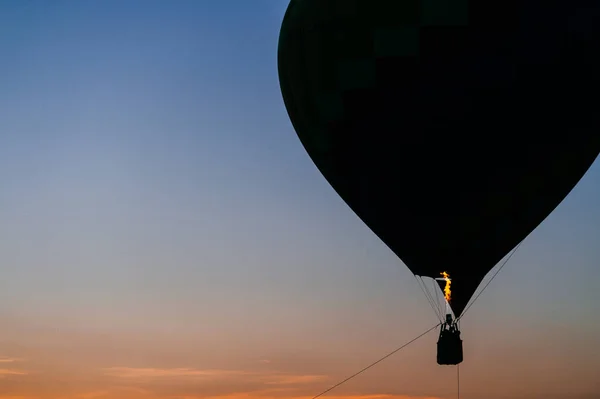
451 128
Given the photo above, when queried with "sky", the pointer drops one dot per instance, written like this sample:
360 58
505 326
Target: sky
164 235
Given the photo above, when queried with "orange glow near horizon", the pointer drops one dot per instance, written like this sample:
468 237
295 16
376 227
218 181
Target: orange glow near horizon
168 383
68 364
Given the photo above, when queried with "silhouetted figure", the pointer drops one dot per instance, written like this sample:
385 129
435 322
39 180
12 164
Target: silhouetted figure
449 319
449 344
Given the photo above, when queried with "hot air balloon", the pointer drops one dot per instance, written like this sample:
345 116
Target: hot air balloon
451 128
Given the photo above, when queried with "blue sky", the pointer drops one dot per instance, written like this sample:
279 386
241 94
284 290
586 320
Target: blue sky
153 190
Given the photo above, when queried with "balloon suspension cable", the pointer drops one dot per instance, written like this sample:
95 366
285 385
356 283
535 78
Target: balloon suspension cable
376 362
457 320
488 283
458 381
432 302
438 301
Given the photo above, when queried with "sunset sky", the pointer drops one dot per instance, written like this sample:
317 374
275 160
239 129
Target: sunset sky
164 235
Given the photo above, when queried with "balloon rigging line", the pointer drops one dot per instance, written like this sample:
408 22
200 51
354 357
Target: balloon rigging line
436 300
488 283
430 299
434 304
437 297
375 363
458 381
424 289
471 304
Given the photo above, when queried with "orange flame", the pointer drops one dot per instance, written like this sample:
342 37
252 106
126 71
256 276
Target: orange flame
447 292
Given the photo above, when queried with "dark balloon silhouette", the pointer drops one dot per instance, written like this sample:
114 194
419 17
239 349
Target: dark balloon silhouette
451 128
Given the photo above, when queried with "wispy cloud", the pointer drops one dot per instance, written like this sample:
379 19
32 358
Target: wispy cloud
267 396
115 391
4 372
131 372
6 359
7 372
95 394
281 379
269 378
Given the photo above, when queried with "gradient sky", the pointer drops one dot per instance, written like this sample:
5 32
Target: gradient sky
163 234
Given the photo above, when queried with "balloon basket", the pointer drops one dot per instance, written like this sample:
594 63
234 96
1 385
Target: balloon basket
449 345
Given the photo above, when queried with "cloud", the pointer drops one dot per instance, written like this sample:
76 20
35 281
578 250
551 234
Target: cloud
4 372
256 395
266 395
114 391
192 383
293 379
5 359
95 394
269 378
133 372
